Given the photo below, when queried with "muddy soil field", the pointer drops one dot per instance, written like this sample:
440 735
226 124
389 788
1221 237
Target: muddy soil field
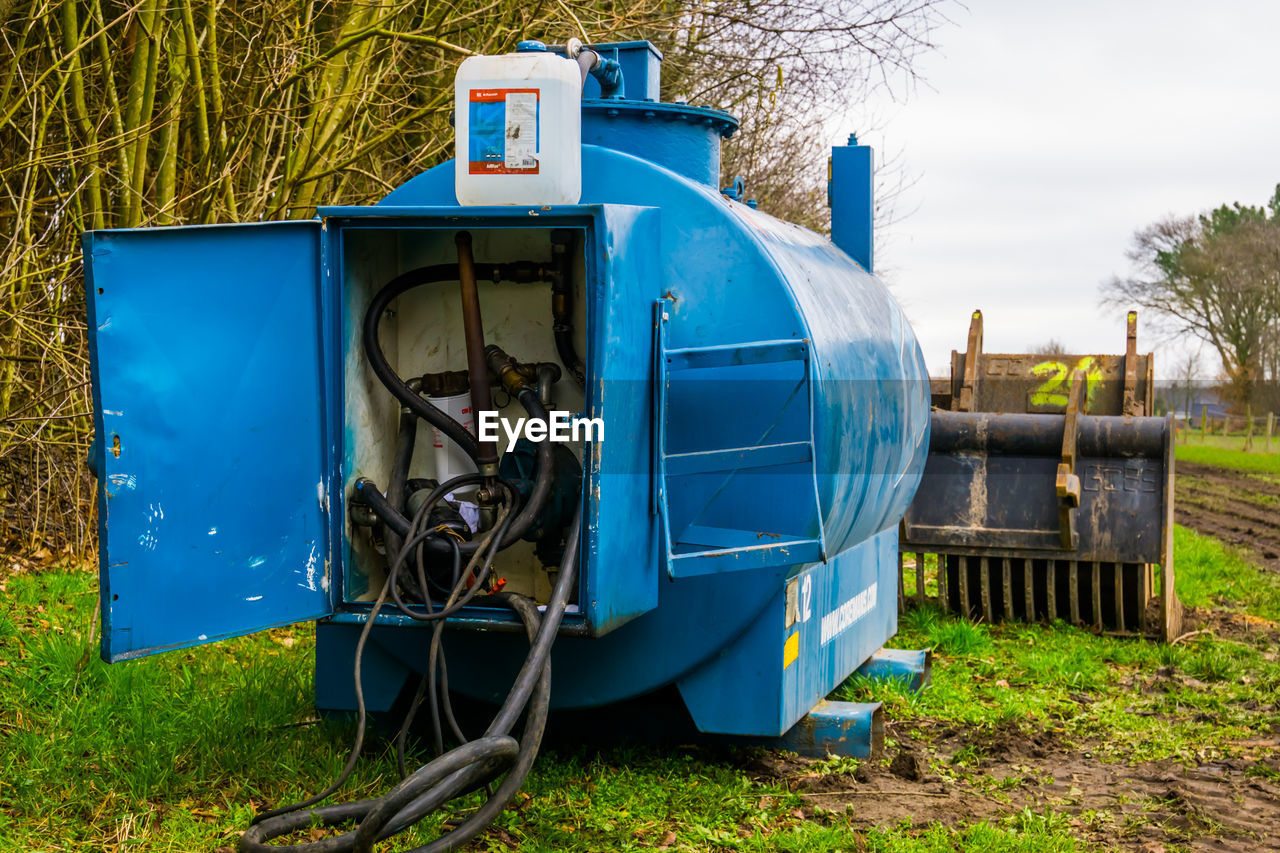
1237 507
953 775
1232 805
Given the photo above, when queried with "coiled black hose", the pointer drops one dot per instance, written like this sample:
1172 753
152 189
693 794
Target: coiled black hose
462 769
465 768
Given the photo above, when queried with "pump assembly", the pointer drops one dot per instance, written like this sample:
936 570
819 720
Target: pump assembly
561 390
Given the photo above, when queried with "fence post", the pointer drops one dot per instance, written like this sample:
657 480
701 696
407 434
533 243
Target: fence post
1204 420
1248 426
1271 420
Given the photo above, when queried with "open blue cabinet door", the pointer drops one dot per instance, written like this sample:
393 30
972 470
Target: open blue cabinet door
208 394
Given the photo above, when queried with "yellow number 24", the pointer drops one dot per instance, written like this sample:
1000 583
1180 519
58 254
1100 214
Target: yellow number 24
1052 393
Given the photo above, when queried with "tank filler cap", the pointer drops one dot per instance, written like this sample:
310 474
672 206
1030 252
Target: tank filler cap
531 46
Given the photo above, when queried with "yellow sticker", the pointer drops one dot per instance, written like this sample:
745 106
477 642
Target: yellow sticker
791 650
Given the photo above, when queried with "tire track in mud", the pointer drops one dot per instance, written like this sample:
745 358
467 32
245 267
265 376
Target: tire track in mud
1228 804
1237 507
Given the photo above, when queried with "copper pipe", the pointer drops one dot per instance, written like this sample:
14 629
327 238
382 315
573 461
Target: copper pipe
477 370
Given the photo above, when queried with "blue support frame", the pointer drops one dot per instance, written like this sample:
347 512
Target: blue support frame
913 667
847 729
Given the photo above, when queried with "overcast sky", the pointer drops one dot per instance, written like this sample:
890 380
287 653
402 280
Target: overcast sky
1044 134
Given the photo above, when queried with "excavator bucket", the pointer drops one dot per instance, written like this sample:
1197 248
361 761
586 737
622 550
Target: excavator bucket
1047 493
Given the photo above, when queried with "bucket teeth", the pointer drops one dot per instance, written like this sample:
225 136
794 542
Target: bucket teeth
1104 596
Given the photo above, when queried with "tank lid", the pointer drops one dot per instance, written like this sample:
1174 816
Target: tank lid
656 111
531 46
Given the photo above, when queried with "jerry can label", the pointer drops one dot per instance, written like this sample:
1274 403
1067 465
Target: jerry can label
503 132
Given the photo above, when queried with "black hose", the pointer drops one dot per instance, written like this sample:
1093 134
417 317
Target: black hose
459 770
515 271
415 402
436 661
414 535
456 603
368 492
356 747
534 675
543 479
544 470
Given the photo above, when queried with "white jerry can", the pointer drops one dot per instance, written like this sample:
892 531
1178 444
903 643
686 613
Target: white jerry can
519 129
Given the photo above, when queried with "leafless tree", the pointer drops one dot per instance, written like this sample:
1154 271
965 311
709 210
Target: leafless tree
118 113
1051 347
788 68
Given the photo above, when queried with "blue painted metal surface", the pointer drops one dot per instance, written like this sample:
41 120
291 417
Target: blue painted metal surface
641 65
738 276
914 667
681 138
851 194
619 527
382 675
802 413
205 343
847 729
684 380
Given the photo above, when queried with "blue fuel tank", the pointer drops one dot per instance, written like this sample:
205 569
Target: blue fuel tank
763 404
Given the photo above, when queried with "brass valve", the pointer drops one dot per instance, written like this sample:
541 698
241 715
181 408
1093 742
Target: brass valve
515 377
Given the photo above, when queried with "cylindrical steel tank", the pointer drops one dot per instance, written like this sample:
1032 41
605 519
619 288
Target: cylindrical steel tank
736 275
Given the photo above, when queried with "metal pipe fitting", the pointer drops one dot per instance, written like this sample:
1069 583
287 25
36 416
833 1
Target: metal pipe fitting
606 71
547 376
473 330
506 370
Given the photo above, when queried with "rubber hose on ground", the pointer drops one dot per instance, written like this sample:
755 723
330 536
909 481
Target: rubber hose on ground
461 769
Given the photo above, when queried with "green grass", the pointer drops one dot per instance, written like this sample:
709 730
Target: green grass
1104 690
174 752
1210 574
1240 460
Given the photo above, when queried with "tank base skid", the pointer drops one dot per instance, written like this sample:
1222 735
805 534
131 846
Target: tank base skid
846 729
913 666
856 729
821 624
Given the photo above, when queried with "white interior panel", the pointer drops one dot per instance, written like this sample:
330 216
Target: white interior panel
422 333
